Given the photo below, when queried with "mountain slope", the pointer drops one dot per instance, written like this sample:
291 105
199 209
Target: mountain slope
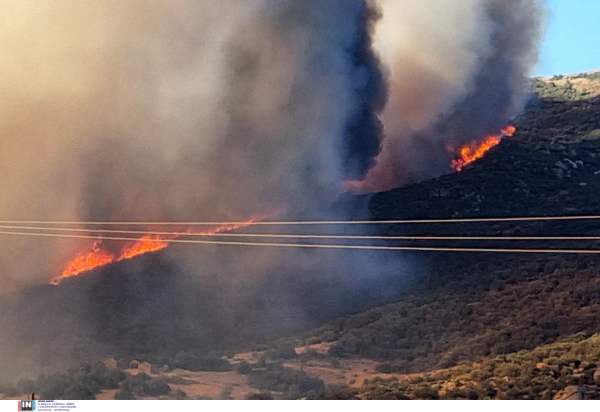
464 315
475 306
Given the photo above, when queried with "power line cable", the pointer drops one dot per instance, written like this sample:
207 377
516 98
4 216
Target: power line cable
307 222
318 245
304 236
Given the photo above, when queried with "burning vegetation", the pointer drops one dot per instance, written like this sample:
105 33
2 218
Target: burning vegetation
476 150
190 108
153 242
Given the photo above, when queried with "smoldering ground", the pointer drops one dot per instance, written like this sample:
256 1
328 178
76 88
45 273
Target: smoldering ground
186 110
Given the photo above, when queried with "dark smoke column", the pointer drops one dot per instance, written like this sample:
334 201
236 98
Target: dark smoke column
364 129
458 72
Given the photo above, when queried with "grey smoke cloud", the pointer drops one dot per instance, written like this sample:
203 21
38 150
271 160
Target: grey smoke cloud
202 110
457 73
184 110
178 110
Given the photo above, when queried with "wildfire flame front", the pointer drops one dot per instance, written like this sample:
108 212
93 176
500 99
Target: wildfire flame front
97 257
471 152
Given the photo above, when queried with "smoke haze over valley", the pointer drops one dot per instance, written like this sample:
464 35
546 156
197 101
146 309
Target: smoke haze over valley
184 111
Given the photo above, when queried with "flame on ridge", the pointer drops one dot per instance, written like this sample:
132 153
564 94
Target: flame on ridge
476 150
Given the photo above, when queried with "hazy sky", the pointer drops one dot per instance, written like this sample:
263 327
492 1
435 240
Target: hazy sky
572 43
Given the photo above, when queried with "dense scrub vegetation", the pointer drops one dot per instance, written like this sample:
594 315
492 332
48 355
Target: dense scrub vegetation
472 306
566 91
536 374
440 329
469 325
86 381
143 385
83 382
595 75
288 382
202 363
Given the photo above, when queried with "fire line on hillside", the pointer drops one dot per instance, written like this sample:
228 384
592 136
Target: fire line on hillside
476 149
99 256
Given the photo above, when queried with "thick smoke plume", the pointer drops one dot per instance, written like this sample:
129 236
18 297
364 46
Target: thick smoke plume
179 110
189 110
128 110
457 74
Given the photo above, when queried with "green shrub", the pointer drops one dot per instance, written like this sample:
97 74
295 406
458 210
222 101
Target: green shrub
425 392
313 340
212 364
284 351
179 394
135 384
328 336
156 388
416 380
143 385
244 368
260 396
104 377
65 389
62 386
124 395
292 383
384 367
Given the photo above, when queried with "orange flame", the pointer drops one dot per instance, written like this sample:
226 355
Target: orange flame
471 152
98 257
149 243
84 262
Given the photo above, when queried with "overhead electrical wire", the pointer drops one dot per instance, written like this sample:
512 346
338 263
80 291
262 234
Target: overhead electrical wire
317 245
300 236
308 222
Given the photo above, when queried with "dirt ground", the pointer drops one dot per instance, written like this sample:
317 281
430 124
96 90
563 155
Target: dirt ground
231 385
349 372
216 385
